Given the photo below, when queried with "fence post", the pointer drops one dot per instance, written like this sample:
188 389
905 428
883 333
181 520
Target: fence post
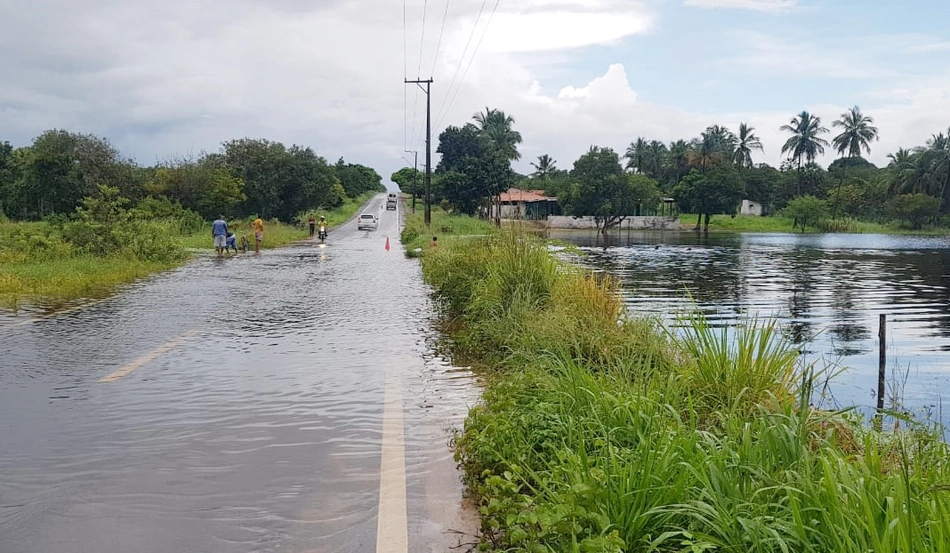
881 368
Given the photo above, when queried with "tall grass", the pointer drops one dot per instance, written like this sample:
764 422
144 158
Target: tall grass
447 227
276 234
600 433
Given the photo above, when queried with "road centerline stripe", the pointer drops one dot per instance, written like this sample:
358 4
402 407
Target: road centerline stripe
392 531
155 353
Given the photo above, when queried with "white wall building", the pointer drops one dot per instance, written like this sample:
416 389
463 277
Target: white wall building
750 208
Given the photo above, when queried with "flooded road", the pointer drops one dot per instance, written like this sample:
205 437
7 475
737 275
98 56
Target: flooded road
237 404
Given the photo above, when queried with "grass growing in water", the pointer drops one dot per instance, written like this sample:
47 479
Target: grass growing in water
601 433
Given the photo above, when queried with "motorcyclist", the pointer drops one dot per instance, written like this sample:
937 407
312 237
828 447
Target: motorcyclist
322 224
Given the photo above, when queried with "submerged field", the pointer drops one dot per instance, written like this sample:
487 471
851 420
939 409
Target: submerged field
55 262
598 432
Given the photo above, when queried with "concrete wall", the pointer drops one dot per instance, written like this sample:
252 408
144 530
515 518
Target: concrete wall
636 223
750 208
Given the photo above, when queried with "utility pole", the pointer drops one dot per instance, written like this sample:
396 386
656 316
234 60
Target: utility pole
428 180
415 176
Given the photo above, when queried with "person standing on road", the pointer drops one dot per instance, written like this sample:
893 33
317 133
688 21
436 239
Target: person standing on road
219 231
313 225
258 233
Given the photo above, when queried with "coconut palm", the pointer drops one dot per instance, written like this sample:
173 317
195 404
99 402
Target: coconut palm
544 167
939 141
746 141
495 126
805 143
656 157
901 159
637 155
677 159
857 133
924 170
714 146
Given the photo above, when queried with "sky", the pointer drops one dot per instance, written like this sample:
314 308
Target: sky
179 77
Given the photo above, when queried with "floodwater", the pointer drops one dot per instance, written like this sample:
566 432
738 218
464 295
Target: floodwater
244 411
827 292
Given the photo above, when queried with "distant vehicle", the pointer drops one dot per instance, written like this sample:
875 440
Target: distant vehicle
391 203
366 221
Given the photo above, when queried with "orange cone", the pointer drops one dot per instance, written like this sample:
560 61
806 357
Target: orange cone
387 243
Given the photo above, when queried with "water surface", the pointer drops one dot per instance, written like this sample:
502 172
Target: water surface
827 291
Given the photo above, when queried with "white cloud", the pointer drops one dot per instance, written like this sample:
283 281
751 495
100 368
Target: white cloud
332 77
763 54
758 5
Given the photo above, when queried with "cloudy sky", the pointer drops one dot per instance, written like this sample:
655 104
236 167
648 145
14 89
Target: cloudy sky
181 76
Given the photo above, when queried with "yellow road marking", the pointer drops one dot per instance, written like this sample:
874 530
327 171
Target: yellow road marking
164 348
392 532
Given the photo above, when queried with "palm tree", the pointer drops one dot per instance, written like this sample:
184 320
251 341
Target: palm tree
939 141
924 170
678 159
857 133
901 159
637 155
805 142
496 127
746 141
544 167
715 145
656 157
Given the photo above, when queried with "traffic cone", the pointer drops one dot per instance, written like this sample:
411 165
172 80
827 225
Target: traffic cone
387 243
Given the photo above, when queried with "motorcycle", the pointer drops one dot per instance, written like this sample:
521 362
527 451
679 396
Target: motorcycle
322 234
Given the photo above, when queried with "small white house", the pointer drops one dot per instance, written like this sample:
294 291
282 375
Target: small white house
750 208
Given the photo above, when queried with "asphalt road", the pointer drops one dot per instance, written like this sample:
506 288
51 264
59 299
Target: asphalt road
291 400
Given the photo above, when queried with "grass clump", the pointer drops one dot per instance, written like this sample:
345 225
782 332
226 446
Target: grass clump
599 433
448 227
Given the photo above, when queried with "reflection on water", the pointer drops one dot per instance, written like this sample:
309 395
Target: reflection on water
259 432
826 290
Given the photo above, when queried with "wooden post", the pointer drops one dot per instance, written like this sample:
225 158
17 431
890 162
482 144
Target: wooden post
881 370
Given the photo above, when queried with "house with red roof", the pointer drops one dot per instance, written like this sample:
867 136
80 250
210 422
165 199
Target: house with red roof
529 205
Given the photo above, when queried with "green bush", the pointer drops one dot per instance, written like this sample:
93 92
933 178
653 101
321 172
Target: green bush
602 433
20 243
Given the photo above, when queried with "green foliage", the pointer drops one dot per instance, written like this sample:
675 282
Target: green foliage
806 210
495 128
357 179
103 227
471 170
645 440
719 190
24 242
58 170
410 181
279 181
601 189
198 186
169 213
914 209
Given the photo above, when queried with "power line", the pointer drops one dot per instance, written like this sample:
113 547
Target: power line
422 41
439 45
461 60
469 66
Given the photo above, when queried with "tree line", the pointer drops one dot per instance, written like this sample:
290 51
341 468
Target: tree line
706 175
245 177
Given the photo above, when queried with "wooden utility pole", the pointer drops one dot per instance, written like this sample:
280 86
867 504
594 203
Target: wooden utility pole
428 179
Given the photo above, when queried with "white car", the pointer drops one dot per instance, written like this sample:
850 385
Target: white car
367 221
